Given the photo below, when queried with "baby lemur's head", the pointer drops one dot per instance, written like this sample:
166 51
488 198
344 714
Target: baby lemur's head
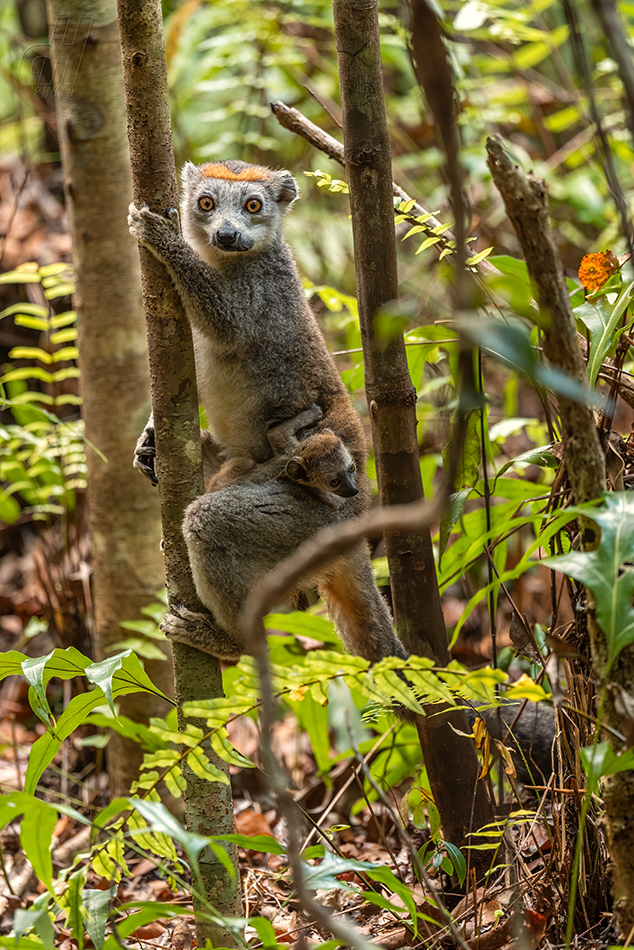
232 208
323 462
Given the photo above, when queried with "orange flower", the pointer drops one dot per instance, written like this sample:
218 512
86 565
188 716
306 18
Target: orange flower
596 269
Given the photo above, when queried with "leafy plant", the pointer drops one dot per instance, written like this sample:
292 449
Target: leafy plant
608 570
42 457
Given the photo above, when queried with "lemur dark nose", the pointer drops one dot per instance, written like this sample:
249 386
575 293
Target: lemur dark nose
226 235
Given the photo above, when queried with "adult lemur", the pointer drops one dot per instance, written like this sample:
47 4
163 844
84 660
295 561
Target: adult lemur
260 359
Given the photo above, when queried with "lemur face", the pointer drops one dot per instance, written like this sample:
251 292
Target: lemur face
232 208
324 463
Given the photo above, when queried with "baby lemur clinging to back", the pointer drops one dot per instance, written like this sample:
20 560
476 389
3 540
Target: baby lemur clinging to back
320 462
260 358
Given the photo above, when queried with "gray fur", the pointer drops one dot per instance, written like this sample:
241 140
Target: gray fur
260 359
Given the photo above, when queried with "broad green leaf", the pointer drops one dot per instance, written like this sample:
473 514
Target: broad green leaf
43 751
64 336
602 321
600 760
539 456
36 918
96 904
218 711
74 901
313 718
266 933
11 663
46 747
511 345
396 688
20 277
224 748
109 860
608 571
121 674
36 838
32 323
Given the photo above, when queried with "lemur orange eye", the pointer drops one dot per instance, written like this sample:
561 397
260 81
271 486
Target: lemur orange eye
352 468
205 203
253 205
334 482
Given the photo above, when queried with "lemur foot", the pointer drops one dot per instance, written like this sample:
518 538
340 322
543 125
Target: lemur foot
201 632
145 454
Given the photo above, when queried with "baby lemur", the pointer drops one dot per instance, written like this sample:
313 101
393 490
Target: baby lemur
320 462
260 359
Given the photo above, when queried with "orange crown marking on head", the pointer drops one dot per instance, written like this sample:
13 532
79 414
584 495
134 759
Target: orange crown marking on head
216 170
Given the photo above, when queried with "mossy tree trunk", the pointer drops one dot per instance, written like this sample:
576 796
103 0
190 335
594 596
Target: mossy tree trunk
123 515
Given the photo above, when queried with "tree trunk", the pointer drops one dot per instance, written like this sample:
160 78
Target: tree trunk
123 515
209 807
450 759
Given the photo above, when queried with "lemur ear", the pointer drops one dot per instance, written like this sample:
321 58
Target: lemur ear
295 469
287 186
189 172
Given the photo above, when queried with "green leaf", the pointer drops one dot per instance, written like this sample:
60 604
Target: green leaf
600 760
33 670
451 513
75 906
266 933
457 860
20 277
266 844
608 571
602 321
510 343
161 820
202 767
11 663
30 353
121 674
43 751
30 309
148 911
37 919
539 456
302 625
96 904
36 838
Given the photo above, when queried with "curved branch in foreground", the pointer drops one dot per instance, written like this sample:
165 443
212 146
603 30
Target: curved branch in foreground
328 544
324 547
